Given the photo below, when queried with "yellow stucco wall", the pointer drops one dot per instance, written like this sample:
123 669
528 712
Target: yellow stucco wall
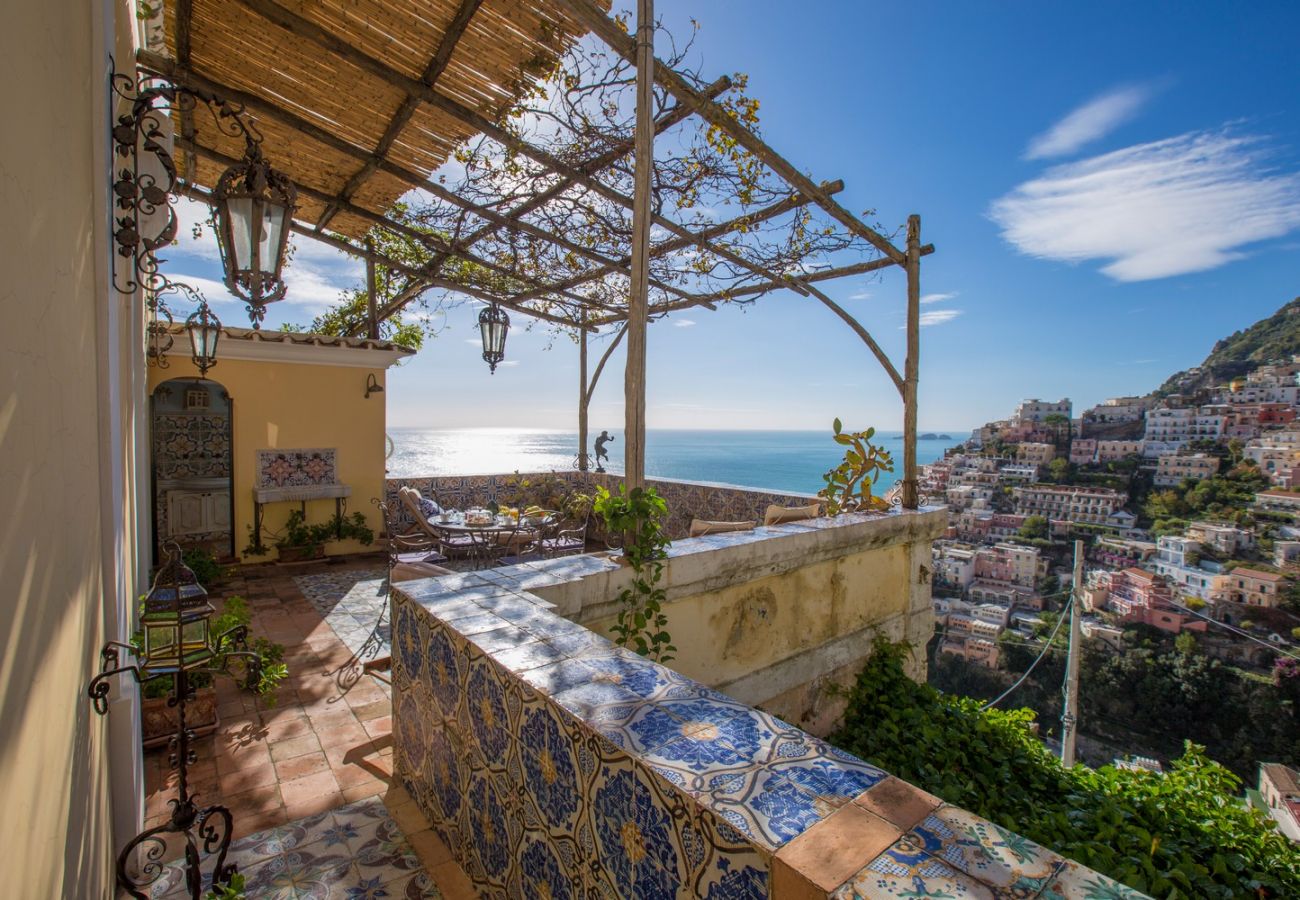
285 406
62 388
777 631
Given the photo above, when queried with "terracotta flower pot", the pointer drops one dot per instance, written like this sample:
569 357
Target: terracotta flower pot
159 722
302 553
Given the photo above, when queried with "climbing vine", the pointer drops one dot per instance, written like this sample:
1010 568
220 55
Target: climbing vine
639 515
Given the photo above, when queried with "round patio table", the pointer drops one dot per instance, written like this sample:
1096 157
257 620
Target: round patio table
502 533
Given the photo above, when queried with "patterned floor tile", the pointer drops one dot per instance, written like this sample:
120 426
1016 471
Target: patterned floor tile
354 852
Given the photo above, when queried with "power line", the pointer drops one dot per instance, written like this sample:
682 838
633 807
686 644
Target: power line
1237 631
1034 664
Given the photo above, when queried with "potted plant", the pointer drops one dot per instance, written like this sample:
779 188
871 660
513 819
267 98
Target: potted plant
302 541
848 485
158 718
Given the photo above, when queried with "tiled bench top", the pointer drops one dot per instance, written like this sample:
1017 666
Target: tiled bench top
608 775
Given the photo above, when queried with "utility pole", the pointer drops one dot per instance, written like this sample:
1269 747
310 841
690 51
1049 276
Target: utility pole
1070 711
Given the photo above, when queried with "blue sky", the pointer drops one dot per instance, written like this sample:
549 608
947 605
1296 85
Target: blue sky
1110 188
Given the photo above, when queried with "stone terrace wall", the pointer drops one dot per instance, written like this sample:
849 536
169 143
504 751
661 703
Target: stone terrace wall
554 764
686 499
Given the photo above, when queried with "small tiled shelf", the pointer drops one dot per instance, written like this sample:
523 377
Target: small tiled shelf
554 764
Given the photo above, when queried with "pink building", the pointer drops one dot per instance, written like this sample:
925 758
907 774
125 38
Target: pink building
1136 595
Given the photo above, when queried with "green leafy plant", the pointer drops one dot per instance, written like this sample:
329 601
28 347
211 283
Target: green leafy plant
848 485
297 533
232 890
235 613
1181 834
203 564
639 515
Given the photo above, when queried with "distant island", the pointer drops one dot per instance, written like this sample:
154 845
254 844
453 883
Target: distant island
931 436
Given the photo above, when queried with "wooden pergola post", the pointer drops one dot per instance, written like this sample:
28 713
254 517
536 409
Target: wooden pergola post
638 301
912 365
372 301
582 395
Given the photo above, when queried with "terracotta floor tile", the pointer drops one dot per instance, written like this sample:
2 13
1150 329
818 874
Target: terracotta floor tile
361 771
233 759
376 709
258 799
318 804
350 733
286 728
301 766
305 788
247 778
364 790
294 746
381 727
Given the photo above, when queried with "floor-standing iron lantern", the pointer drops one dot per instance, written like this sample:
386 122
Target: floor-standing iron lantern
205 330
255 206
175 641
493 323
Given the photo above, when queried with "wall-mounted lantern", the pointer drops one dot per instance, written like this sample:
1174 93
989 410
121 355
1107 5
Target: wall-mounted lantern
373 386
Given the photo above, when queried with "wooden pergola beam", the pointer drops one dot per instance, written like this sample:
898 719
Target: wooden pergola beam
765 287
164 67
759 216
305 28
674 116
433 242
428 281
609 31
184 52
441 57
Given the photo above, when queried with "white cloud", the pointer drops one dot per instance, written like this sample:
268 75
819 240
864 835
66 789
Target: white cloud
475 341
509 362
860 295
683 323
1179 205
938 298
936 317
1085 124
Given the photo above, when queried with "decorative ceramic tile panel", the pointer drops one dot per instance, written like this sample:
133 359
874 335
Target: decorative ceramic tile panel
296 468
554 764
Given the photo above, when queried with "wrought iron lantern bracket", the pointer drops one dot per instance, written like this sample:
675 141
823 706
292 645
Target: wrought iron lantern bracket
207 831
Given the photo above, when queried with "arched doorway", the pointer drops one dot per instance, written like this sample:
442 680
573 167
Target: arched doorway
190 436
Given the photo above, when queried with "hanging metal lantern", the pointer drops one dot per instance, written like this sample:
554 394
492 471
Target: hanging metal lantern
255 206
177 619
493 324
205 330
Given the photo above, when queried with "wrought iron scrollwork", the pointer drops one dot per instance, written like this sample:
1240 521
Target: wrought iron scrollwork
140 863
146 183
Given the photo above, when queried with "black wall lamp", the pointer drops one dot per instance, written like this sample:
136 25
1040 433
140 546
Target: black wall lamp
373 386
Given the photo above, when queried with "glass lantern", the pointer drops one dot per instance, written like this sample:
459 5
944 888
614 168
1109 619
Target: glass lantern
205 330
255 206
493 324
177 618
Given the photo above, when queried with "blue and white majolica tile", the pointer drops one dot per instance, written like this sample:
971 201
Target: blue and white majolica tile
766 807
985 851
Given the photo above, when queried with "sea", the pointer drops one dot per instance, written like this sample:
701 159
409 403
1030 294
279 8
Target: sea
792 461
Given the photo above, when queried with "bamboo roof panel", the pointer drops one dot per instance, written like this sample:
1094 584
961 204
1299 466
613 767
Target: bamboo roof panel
503 51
